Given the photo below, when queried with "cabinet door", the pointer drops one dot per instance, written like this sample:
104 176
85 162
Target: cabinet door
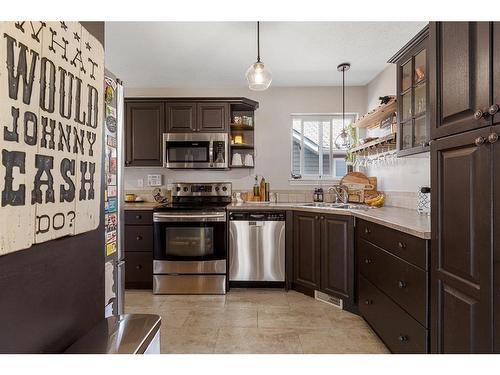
459 63
337 264
181 117
496 70
306 252
213 117
461 290
145 124
496 239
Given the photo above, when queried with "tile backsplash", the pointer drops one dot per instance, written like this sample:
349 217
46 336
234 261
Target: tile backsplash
392 198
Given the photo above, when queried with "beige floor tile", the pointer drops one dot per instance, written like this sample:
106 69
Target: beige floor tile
266 297
188 340
228 317
296 317
258 341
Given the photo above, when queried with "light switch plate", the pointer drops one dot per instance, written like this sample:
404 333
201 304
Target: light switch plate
154 179
140 182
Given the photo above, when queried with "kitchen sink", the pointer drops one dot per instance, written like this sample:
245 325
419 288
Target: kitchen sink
342 206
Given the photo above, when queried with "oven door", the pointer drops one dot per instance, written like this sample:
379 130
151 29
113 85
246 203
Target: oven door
189 236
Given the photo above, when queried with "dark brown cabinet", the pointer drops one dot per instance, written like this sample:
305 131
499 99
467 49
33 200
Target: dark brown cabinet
495 107
464 171
213 117
460 65
413 95
145 125
323 255
138 249
393 286
181 117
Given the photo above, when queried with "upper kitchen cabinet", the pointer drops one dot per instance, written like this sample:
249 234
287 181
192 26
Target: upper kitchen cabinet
145 125
181 117
213 117
412 95
460 57
495 107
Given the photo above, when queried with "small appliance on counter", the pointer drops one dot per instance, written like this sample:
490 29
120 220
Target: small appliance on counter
318 195
190 240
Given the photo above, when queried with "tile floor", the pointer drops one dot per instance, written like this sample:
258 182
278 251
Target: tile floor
254 321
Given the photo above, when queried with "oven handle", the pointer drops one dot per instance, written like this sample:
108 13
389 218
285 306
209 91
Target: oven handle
163 217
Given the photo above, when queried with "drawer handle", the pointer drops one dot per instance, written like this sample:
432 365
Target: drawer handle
401 284
368 261
138 267
368 302
402 245
138 217
367 231
403 338
138 238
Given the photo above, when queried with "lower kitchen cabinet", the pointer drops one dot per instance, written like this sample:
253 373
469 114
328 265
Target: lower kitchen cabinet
323 255
393 286
138 249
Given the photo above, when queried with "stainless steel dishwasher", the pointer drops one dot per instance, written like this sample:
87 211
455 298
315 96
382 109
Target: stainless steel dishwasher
257 246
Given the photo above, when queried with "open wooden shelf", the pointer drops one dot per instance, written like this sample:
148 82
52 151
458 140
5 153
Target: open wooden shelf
242 146
241 127
242 166
382 142
373 118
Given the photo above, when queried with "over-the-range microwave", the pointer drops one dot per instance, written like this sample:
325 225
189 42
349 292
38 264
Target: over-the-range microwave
195 150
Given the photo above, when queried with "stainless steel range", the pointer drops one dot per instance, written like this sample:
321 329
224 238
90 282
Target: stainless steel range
190 240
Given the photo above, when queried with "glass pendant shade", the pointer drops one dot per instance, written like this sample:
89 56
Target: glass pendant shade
343 141
258 76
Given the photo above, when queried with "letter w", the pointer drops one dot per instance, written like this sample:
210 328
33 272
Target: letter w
22 70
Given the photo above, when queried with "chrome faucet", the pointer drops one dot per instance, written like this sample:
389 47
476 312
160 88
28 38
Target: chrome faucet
341 193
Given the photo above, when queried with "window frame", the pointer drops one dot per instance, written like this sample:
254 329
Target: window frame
333 153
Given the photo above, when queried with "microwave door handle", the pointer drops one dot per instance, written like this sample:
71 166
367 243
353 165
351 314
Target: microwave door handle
211 153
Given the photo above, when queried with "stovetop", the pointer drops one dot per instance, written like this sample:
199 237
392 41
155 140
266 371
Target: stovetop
215 207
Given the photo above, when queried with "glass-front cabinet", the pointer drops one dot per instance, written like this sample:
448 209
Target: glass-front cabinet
412 94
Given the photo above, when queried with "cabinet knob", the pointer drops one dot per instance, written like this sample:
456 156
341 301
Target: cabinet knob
493 137
138 217
138 238
403 338
479 141
368 261
401 245
127 162
479 114
367 231
316 217
138 267
368 302
322 218
401 284
493 109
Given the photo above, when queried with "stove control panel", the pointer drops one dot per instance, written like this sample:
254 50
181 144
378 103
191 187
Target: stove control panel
188 189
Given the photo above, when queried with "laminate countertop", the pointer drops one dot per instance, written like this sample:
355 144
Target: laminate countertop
401 219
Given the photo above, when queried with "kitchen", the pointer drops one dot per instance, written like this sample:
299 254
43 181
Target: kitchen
277 193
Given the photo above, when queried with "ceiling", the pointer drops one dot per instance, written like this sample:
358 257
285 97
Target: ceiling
217 54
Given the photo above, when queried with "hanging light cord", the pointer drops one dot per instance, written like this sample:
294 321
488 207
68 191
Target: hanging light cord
258 42
343 99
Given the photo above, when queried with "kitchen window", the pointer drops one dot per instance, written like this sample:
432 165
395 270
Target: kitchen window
314 155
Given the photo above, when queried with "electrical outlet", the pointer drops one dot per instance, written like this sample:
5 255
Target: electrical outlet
154 179
140 183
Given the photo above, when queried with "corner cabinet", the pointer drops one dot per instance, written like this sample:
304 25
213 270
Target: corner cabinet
323 255
412 95
144 128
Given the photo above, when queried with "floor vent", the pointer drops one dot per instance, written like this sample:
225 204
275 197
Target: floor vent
326 298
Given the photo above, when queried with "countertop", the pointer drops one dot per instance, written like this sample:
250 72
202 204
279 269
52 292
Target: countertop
401 219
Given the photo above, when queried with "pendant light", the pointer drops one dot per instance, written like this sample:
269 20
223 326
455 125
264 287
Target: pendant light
343 140
258 77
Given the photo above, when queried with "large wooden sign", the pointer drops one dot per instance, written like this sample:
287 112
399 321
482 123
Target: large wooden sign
51 88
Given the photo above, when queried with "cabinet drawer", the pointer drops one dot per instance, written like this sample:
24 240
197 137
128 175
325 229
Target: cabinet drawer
400 280
405 246
399 331
139 238
139 217
138 270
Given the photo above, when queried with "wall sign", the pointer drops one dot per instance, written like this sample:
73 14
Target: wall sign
51 119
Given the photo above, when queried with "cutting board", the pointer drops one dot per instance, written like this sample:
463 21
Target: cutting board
357 181
356 178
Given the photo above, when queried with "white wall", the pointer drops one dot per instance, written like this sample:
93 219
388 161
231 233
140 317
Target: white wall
410 172
272 130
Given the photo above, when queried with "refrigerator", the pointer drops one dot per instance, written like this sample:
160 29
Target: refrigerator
113 195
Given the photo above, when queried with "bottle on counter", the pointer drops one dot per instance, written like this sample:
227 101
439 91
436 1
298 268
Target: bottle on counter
262 189
256 188
267 197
